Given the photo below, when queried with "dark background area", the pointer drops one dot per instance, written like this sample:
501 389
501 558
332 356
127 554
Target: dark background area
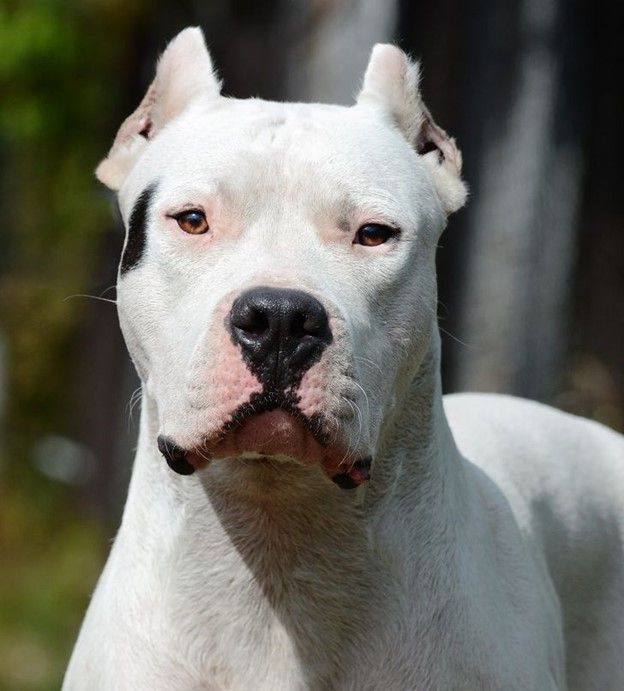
531 272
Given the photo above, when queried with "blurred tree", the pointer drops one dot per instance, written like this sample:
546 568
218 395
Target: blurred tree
59 73
531 272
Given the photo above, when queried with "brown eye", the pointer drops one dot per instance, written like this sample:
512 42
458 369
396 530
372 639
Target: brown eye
193 222
373 234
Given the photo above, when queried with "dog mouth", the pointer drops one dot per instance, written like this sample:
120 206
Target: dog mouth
271 427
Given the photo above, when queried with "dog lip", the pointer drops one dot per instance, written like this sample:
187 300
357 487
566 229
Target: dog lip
315 449
270 433
186 462
269 401
176 456
357 474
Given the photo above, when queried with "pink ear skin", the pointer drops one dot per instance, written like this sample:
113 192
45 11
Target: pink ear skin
183 74
431 137
391 83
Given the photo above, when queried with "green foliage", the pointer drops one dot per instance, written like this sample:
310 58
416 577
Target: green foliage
60 67
51 558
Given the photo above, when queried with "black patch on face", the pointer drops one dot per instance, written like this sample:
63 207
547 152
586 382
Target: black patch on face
135 241
175 456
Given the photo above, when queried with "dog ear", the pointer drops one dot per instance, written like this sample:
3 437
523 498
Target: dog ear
391 82
184 73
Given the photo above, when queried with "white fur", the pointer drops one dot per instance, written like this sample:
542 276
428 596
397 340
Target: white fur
184 73
486 551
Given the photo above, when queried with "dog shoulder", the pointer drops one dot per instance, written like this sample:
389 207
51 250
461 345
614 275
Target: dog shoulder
497 429
562 475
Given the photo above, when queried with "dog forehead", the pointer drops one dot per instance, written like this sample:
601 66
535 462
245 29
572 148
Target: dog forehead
251 143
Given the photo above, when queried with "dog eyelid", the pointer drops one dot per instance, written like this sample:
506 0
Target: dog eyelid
374 234
192 221
184 209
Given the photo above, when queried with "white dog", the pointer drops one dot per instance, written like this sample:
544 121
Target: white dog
331 523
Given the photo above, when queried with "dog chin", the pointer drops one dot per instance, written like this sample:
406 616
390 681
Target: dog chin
277 435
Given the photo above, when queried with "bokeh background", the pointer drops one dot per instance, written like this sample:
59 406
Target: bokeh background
531 272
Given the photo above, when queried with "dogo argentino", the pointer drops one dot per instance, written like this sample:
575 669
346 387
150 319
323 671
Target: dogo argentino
306 511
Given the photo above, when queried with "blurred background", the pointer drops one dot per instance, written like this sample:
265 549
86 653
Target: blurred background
531 272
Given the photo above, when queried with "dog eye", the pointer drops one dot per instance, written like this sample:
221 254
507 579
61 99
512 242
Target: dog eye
373 234
193 222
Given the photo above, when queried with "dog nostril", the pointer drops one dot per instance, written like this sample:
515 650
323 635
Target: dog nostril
305 324
315 324
251 320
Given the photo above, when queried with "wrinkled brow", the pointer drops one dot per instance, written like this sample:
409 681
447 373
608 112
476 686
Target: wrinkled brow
346 209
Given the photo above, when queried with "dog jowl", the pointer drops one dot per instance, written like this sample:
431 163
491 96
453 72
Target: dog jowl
277 277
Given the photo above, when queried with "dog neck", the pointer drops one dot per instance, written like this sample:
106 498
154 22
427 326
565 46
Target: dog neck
416 446
418 469
297 545
231 569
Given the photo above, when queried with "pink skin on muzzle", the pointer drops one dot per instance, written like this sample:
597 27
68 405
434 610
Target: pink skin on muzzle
230 385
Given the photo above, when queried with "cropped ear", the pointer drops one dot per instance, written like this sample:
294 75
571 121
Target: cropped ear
391 82
184 72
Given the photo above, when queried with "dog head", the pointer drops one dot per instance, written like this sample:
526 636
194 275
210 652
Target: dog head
277 285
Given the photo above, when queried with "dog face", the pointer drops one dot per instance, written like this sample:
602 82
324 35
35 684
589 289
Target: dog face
277 284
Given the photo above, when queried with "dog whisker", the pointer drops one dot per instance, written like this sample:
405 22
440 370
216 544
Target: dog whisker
456 339
368 361
365 396
92 297
133 402
201 453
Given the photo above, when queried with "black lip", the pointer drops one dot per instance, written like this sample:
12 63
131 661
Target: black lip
259 403
360 468
175 456
344 481
266 401
358 472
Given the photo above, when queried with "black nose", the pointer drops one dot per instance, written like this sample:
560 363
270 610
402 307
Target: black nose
281 332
